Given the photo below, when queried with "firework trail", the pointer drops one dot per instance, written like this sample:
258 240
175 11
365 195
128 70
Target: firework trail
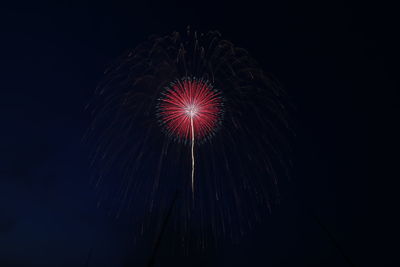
182 101
192 150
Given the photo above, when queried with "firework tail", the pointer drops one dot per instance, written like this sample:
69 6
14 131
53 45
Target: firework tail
89 257
161 233
333 241
329 234
191 124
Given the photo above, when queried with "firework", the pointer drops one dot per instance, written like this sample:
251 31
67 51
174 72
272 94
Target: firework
182 100
190 109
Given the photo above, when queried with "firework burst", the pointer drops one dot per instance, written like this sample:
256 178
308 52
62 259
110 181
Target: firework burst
190 101
203 90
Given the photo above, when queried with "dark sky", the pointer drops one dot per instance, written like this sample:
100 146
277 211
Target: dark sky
338 61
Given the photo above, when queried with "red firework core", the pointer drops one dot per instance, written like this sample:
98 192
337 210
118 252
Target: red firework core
186 101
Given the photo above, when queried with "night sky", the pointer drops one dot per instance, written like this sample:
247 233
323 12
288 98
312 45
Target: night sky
338 62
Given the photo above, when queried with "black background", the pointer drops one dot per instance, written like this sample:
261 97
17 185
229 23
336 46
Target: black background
337 60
